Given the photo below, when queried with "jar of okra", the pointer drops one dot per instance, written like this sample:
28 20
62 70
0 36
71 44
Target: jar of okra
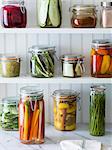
97 111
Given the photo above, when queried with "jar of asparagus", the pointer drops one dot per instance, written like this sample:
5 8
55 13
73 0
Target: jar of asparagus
31 115
42 61
97 111
65 108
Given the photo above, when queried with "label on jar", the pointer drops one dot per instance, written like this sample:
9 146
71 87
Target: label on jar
68 70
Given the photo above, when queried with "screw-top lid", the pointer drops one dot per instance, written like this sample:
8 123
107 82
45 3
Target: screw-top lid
106 4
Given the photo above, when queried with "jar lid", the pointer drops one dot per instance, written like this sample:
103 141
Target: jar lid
39 49
65 93
106 4
31 91
98 88
84 7
72 57
101 42
6 2
10 100
9 57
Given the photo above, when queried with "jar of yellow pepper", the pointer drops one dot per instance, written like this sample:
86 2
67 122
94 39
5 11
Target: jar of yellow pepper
65 108
101 59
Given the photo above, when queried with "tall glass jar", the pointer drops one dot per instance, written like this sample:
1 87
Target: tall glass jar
49 13
106 20
14 14
97 111
72 66
83 16
31 115
101 59
65 109
42 61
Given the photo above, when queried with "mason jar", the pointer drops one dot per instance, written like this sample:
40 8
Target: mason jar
10 66
14 14
83 16
31 115
42 61
9 116
101 59
49 13
72 66
65 109
97 111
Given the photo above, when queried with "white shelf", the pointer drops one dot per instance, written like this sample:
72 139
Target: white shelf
57 30
10 140
56 80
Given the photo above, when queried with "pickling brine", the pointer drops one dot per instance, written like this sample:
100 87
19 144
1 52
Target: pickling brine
31 116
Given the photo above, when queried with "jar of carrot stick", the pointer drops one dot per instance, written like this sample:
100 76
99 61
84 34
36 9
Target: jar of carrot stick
101 59
31 115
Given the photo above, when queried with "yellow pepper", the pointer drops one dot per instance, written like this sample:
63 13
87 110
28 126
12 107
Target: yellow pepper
63 106
105 64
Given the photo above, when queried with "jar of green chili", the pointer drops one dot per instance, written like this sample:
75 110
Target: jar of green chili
97 111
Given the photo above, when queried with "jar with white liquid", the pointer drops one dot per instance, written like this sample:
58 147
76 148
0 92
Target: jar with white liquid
106 15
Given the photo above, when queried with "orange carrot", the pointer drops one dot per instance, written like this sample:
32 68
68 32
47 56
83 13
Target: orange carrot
110 68
102 51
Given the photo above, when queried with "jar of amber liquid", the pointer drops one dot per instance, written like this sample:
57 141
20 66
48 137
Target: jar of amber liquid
83 16
101 59
65 108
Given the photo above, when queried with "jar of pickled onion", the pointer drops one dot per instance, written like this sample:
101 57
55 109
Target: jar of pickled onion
14 14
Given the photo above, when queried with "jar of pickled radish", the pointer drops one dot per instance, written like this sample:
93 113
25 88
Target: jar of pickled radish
65 108
101 59
14 14
31 115
97 111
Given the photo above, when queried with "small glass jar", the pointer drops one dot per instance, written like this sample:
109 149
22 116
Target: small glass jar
101 59
9 117
72 66
106 14
42 61
84 16
14 14
10 66
97 111
49 13
65 109
31 115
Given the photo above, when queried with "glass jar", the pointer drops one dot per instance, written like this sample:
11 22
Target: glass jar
97 111
49 13
106 14
10 66
9 117
101 59
1 114
42 61
14 14
83 16
65 108
31 115
72 66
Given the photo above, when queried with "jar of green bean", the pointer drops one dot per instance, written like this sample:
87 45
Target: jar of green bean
97 111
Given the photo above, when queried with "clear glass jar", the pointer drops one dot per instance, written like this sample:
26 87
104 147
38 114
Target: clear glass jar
9 117
14 14
106 20
72 66
83 16
10 66
31 115
49 13
65 109
42 61
101 59
97 111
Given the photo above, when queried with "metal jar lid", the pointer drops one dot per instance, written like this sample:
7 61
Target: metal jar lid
72 58
98 88
101 42
39 49
106 4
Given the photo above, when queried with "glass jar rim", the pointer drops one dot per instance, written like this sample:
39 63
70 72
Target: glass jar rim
31 91
65 93
38 49
5 57
98 88
8 2
12 100
72 58
101 42
106 4
84 8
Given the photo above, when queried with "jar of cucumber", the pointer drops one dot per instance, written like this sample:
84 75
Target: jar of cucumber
65 108
97 111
